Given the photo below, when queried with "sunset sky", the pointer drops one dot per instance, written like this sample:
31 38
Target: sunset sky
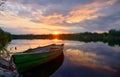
62 16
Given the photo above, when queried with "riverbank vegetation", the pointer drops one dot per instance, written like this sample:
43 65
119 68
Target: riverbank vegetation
5 37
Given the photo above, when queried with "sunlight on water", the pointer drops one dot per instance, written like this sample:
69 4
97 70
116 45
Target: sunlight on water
56 40
22 45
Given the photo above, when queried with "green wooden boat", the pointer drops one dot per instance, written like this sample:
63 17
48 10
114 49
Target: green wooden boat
34 57
46 69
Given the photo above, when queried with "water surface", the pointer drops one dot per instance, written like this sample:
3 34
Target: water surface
94 59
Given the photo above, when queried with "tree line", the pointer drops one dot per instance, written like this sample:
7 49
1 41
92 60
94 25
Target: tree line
112 34
112 37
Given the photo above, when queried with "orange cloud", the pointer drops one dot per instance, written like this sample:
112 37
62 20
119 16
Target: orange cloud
47 24
83 13
80 15
74 16
87 12
53 19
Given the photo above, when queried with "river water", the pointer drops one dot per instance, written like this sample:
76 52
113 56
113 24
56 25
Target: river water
93 59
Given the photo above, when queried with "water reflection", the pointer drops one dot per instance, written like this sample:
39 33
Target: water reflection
22 45
45 70
87 59
56 40
93 59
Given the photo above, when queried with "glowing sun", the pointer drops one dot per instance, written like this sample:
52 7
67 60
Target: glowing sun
55 33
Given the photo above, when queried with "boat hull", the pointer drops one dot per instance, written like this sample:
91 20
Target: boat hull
46 69
27 61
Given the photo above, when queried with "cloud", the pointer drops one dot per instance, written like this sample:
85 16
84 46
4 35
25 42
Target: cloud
63 15
50 19
73 16
103 23
80 15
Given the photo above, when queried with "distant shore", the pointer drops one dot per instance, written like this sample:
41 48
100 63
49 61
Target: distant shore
112 37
